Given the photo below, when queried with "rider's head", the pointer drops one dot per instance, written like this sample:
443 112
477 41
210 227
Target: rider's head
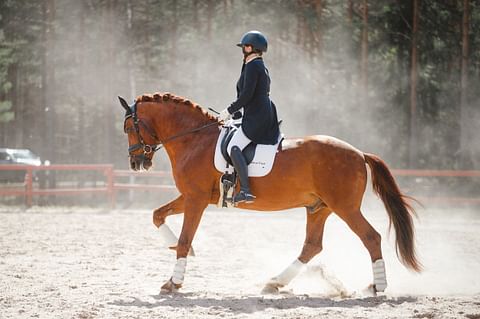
253 42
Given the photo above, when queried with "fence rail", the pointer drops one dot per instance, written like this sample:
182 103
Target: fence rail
111 185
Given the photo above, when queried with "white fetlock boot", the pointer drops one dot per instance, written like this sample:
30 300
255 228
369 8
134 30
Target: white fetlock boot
283 278
379 275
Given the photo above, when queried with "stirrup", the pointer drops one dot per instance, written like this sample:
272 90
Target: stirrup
244 197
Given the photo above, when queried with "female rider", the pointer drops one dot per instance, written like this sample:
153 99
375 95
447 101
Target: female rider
259 121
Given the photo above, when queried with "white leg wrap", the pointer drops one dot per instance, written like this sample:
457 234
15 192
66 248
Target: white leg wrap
288 274
179 271
168 236
379 275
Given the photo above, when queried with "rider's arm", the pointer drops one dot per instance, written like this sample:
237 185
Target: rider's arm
249 84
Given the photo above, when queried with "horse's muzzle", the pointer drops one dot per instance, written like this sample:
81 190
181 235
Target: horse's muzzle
138 163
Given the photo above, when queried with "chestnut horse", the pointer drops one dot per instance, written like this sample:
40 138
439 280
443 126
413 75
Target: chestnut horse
320 173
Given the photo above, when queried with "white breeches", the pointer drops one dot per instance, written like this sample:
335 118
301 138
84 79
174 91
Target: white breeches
239 139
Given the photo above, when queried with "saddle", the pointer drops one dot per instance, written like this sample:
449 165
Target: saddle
248 151
259 158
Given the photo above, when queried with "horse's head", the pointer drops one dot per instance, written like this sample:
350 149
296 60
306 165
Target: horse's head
142 140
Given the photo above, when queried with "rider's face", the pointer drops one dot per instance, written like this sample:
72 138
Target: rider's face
247 49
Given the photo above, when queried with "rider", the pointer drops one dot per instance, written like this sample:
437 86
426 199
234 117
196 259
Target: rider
259 122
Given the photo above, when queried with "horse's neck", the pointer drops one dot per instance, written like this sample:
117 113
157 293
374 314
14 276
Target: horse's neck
179 120
191 148
181 137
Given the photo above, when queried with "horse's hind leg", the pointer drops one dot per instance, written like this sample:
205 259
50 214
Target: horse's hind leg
314 234
371 239
311 247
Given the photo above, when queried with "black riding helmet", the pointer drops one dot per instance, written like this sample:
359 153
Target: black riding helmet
256 39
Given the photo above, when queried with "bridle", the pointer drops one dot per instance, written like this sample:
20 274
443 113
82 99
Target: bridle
147 148
150 148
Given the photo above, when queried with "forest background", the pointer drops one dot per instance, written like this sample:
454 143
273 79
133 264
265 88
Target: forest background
391 77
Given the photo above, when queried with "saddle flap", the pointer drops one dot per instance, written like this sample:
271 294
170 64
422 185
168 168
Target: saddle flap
248 151
260 158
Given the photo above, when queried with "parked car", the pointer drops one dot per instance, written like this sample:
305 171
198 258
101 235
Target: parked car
16 156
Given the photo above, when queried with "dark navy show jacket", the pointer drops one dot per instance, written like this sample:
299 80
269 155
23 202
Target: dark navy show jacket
260 122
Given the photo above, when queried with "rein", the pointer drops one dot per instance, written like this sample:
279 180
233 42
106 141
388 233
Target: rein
149 148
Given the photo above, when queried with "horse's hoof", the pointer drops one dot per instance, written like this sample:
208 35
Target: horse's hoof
270 289
370 291
169 287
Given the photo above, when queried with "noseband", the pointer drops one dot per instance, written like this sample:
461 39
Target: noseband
150 148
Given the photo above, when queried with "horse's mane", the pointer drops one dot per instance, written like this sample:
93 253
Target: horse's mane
158 97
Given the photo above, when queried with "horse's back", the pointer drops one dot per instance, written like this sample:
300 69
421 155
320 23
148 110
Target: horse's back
323 144
334 168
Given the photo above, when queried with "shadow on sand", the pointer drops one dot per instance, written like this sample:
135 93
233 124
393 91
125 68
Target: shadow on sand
251 304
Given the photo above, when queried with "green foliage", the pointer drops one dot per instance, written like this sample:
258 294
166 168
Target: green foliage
100 49
6 115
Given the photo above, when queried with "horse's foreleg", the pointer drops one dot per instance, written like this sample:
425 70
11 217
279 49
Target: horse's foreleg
372 241
311 247
193 214
177 206
174 207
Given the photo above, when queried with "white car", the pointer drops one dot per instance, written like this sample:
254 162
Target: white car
17 156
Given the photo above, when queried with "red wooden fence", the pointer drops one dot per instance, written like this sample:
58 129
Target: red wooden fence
111 186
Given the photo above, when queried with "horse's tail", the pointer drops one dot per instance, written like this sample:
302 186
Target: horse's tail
399 210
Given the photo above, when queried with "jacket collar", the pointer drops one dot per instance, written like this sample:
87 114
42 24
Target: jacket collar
252 57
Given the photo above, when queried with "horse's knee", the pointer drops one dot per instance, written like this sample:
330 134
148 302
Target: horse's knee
158 217
309 251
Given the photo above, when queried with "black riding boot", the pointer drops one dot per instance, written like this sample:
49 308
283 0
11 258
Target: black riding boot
240 165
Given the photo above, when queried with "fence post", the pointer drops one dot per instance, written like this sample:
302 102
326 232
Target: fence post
28 187
110 186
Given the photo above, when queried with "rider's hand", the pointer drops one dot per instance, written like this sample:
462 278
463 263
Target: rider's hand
237 115
224 115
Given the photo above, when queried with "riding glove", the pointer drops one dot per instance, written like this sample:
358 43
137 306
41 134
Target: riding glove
224 115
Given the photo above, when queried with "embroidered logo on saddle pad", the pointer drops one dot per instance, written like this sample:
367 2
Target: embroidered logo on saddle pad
259 157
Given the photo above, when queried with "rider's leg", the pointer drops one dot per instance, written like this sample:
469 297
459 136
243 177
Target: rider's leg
240 141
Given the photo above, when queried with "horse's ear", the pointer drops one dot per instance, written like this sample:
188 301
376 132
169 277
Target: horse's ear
125 105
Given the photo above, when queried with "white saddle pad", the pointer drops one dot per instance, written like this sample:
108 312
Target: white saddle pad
261 164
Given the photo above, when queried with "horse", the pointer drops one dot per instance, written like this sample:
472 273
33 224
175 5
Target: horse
323 174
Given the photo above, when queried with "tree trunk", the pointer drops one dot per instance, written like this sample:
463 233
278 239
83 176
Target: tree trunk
364 52
196 23
348 74
82 111
108 117
349 13
464 125
18 108
174 36
210 9
413 149
48 79
130 72
300 25
319 35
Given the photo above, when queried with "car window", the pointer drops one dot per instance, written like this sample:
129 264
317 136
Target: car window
4 156
24 154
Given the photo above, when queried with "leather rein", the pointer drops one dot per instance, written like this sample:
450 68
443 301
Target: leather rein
152 148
